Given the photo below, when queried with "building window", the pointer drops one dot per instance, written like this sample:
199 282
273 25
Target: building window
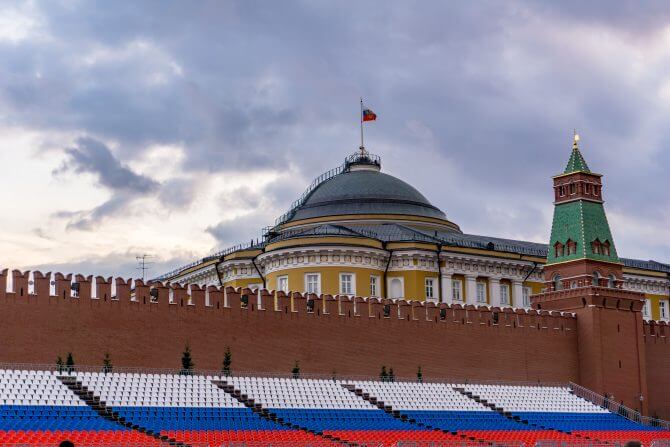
596 190
595 247
587 187
481 292
282 284
605 248
573 189
561 191
430 288
646 309
571 246
526 296
504 294
347 284
374 286
313 283
456 290
663 309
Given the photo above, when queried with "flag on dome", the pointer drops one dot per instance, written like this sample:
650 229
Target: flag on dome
369 115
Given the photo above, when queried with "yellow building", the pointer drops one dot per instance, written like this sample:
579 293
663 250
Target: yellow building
359 231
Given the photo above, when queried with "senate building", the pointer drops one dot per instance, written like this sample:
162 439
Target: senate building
358 231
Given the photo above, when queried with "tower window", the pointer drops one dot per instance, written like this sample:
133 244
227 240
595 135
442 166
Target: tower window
595 278
605 248
573 189
557 282
558 249
561 191
596 190
571 247
587 188
611 281
595 247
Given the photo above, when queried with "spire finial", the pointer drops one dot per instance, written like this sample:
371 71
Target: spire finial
575 139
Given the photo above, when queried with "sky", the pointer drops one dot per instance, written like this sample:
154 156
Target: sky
176 129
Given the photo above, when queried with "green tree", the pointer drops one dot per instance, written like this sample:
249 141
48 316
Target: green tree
296 370
391 375
227 361
187 364
107 366
419 375
69 362
59 364
383 375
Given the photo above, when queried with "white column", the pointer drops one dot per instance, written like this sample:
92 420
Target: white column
471 289
494 286
517 293
446 288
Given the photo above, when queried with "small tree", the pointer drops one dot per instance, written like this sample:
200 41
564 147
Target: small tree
391 375
296 370
69 362
186 362
107 366
383 375
59 364
419 375
227 361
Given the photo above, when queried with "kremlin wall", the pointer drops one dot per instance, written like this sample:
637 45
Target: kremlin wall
459 306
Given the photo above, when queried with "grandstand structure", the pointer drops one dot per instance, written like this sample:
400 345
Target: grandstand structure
40 406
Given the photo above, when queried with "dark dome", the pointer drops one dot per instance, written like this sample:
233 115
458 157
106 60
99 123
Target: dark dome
366 191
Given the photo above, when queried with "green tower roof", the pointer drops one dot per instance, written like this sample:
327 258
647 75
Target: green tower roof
581 222
576 162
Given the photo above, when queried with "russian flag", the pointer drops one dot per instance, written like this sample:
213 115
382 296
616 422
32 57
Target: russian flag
369 115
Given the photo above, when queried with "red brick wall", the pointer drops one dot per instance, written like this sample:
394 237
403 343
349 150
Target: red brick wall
657 348
466 344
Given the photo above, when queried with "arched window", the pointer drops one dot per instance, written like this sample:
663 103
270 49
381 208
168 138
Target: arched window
596 278
571 247
557 282
611 281
558 249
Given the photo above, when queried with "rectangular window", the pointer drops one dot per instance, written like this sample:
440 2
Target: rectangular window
561 191
282 284
346 284
456 290
313 283
430 288
374 286
645 309
481 292
504 294
573 189
663 309
526 296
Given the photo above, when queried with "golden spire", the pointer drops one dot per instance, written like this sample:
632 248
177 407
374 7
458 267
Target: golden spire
575 139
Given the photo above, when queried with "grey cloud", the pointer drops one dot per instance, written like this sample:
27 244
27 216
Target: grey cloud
239 230
93 156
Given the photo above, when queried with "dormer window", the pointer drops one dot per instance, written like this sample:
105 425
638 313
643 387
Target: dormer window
596 247
605 248
571 247
558 249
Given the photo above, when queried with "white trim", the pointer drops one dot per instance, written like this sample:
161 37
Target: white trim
433 288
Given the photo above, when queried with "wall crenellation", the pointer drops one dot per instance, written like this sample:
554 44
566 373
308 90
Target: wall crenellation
58 287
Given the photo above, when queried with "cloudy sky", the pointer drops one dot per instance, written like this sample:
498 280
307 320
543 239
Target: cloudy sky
179 128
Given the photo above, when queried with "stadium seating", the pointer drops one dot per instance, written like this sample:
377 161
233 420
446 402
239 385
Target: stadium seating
327 407
42 408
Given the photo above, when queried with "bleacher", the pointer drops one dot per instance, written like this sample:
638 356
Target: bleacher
42 408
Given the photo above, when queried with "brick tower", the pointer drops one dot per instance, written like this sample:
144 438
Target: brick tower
584 275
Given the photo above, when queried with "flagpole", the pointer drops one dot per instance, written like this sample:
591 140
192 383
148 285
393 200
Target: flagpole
360 117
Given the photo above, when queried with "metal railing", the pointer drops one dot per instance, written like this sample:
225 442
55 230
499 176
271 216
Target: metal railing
618 408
